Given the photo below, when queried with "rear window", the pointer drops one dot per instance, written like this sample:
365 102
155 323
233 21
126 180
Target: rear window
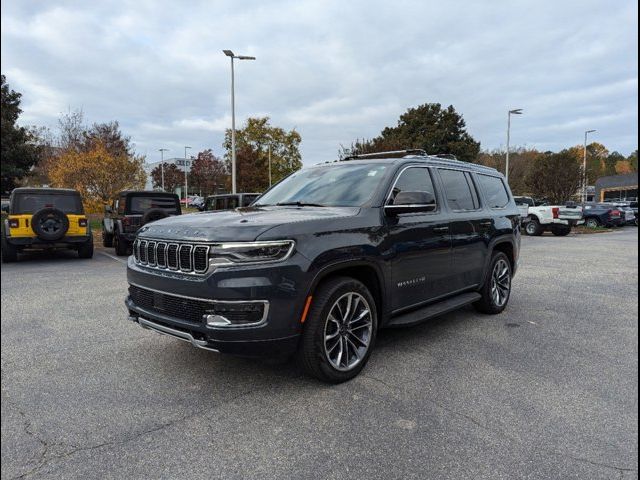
139 205
494 191
32 202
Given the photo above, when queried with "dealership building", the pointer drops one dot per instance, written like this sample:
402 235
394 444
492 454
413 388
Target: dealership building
617 188
182 163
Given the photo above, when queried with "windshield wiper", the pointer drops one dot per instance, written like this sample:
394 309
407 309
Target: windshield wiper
298 204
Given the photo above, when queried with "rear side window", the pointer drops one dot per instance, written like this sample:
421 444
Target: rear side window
220 203
139 205
494 191
32 202
459 190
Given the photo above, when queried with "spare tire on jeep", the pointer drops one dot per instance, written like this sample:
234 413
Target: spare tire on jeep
153 215
50 224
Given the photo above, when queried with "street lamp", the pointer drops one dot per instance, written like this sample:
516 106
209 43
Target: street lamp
185 174
162 150
232 56
517 111
584 167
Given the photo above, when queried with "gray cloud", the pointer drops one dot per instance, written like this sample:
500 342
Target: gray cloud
335 71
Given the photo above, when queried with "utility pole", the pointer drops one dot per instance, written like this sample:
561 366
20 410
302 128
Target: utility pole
517 111
162 150
584 168
269 150
185 175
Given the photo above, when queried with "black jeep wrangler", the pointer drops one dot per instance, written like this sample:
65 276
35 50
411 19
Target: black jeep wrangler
329 256
45 219
130 211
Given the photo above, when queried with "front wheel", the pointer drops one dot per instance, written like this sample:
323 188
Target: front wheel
496 290
86 249
9 252
107 239
120 245
339 331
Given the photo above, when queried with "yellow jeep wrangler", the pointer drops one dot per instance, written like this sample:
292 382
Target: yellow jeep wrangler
45 219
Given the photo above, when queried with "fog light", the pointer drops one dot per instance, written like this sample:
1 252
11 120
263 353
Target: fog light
216 321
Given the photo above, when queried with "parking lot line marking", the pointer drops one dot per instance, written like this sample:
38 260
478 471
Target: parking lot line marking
114 258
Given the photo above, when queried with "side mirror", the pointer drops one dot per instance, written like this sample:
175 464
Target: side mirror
5 208
411 202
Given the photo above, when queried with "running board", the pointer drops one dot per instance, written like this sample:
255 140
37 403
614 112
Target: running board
425 313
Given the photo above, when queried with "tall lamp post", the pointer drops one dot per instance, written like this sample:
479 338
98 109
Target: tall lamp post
162 150
584 167
517 111
232 56
185 175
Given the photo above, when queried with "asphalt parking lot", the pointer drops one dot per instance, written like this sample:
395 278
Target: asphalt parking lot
549 389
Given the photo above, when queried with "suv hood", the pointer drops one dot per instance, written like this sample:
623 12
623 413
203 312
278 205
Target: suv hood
244 224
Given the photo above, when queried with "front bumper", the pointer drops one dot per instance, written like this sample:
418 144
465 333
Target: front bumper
35 242
283 286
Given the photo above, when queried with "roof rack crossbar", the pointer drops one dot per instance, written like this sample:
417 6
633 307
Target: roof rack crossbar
413 151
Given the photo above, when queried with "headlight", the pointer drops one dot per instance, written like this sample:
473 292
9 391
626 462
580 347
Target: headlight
250 252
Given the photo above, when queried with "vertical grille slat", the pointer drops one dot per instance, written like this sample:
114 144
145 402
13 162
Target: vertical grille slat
161 258
185 258
151 253
172 256
136 250
200 258
143 251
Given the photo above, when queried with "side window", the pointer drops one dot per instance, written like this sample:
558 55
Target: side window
122 201
232 202
459 190
220 203
494 191
413 179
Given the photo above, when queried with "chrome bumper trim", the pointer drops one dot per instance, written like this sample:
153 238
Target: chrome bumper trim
179 334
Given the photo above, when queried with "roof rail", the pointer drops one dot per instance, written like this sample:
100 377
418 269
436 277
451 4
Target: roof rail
387 154
448 156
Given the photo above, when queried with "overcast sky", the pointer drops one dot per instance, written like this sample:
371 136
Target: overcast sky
333 70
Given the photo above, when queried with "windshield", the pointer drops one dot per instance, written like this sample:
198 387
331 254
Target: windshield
139 205
32 202
334 186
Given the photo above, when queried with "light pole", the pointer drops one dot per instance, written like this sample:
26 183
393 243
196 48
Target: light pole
517 111
232 56
185 174
584 167
162 150
269 154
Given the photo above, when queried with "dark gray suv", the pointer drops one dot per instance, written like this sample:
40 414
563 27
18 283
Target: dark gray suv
327 257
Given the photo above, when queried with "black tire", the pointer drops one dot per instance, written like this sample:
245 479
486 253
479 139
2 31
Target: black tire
592 222
122 247
560 230
50 224
9 252
488 303
533 228
86 249
153 215
107 239
312 354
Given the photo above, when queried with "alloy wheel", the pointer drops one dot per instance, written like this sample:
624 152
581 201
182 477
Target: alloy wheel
347 332
500 283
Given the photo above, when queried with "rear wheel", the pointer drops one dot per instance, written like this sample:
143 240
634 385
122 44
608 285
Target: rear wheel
9 252
339 332
592 223
560 230
496 290
533 228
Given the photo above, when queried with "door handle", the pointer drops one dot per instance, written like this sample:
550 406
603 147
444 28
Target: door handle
441 229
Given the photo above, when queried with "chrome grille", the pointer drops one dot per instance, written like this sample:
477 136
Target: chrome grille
172 256
161 258
183 257
151 253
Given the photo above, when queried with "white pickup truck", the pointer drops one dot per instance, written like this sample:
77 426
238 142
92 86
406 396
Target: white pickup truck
559 219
